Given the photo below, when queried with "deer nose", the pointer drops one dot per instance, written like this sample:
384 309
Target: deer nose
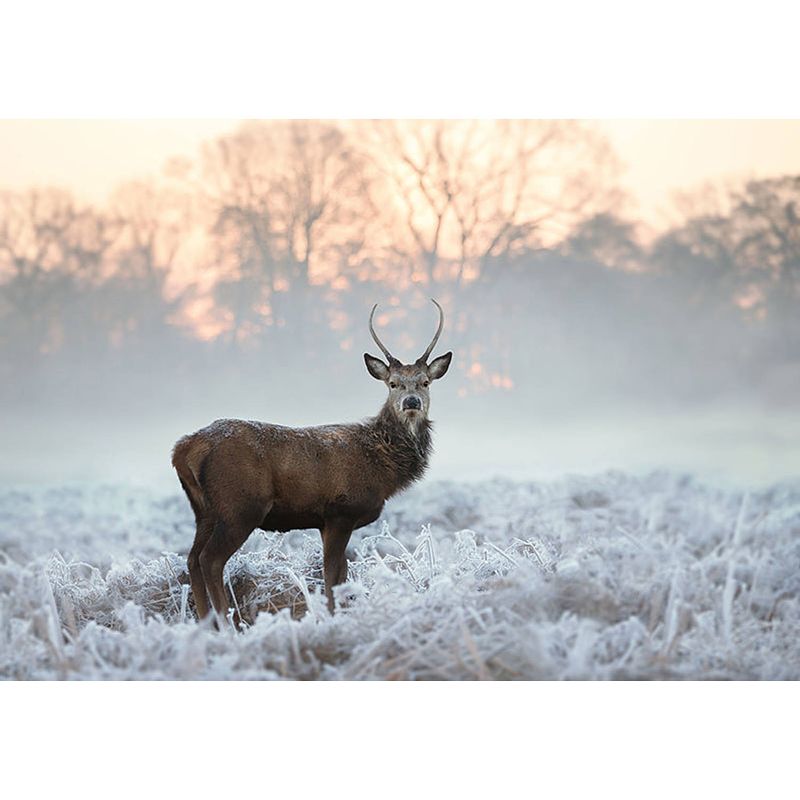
411 402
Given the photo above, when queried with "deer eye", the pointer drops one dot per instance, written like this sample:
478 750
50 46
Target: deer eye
426 384
392 385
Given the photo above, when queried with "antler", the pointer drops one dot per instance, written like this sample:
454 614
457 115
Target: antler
389 356
423 359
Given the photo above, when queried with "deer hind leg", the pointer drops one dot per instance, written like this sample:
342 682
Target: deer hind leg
225 540
205 525
335 537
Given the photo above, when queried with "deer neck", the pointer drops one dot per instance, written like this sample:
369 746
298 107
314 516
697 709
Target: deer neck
404 449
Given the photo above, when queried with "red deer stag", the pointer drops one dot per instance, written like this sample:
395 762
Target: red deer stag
241 475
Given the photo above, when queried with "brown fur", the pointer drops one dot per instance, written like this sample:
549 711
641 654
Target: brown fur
241 475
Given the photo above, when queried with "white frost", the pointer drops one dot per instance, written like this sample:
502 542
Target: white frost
605 577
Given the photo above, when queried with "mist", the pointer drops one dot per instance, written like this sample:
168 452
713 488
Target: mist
239 284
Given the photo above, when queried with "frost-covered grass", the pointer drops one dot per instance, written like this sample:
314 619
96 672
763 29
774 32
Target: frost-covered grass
605 577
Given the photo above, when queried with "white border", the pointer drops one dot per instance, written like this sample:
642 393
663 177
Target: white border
656 740
353 58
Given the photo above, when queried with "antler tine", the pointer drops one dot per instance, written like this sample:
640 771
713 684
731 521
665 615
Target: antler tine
389 356
423 359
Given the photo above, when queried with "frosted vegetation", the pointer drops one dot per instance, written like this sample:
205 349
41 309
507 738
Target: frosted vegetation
610 577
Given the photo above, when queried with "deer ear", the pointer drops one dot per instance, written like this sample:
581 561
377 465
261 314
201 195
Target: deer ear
439 366
376 367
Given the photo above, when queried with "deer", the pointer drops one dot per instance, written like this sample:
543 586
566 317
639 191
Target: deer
240 475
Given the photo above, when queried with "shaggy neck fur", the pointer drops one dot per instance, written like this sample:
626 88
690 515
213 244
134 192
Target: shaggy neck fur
405 449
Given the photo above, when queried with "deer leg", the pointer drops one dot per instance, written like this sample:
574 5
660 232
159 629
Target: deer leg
205 525
335 537
225 540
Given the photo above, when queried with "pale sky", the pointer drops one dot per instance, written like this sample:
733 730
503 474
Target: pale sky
660 157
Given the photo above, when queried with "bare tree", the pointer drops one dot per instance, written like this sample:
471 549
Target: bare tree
154 225
51 248
290 200
767 216
468 191
323 195
752 231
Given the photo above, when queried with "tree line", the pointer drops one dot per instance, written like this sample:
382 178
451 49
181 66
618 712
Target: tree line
272 244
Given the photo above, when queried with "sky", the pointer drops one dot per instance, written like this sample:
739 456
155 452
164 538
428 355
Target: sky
659 157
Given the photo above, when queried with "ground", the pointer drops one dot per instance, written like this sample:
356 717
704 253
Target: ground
605 577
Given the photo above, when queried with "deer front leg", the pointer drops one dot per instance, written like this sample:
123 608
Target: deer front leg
335 536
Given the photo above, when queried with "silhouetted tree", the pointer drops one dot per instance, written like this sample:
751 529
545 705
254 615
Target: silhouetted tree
468 192
607 239
52 255
290 201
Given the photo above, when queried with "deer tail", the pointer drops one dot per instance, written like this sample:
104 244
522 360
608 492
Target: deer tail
188 456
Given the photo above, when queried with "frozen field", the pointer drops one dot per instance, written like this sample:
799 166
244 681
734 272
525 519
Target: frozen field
608 577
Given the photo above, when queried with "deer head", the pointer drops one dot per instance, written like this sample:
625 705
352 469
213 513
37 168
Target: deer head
408 384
